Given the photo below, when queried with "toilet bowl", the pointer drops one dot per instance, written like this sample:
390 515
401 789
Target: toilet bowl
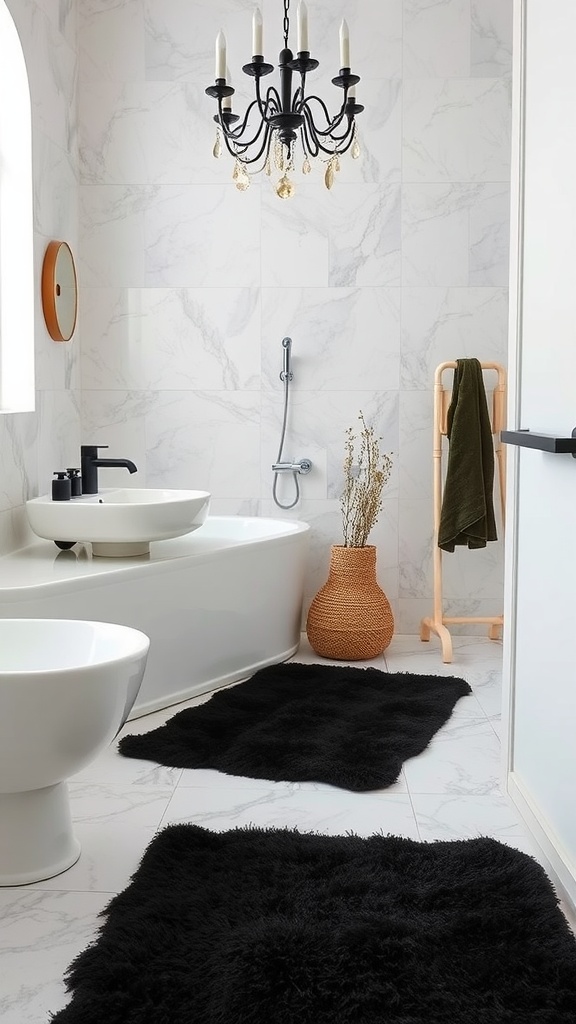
66 688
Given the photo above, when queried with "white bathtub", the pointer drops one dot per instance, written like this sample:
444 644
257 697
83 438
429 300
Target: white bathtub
217 604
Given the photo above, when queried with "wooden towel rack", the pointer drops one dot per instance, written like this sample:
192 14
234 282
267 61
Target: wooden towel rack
439 622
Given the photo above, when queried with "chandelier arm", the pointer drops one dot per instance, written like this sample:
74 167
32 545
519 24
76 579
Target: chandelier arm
266 105
349 137
230 146
332 123
264 147
349 130
319 145
273 102
310 137
235 133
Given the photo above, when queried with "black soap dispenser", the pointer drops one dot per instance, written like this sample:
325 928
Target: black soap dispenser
75 482
61 487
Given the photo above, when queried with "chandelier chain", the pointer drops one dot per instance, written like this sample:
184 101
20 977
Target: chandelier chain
286 22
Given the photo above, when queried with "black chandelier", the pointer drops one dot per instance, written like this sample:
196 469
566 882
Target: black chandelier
286 117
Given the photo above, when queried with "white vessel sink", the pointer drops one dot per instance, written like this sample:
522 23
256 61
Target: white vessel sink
119 521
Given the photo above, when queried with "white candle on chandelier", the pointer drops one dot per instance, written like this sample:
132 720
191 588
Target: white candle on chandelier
220 55
257 44
227 101
302 25
344 45
352 92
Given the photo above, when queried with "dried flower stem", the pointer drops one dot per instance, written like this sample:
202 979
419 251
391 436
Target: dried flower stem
364 480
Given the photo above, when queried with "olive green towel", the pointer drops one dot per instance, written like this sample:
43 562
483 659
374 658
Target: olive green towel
467 515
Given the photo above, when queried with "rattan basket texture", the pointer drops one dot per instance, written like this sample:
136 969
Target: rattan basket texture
350 617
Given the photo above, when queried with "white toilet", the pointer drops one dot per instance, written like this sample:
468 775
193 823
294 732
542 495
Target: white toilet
66 688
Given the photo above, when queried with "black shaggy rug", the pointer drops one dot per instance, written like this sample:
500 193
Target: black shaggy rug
348 727
276 927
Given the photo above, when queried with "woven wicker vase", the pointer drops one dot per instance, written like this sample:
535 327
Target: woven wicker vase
350 617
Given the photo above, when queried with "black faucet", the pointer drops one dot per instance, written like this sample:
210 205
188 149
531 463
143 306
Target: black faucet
89 463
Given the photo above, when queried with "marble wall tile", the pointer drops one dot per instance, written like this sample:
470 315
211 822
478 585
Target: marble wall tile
415 447
113 235
456 129
59 434
63 16
475 575
379 128
52 71
15 532
468 576
111 40
148 133
348 236
490 236
112 346
455 234
491 37
411 611
437 39
118 419
442 324
208 440
171 339
204 236
18 465
55 187
57 363
180 49
365 236
343 339
235 507
176 52
415 548
295 242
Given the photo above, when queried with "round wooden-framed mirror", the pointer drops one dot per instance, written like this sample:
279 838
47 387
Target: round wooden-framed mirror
59 291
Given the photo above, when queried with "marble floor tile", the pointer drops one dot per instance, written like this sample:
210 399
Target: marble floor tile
462 758
112 767
218 780
97 804
110 854
307 656
306 809
40 934
462 817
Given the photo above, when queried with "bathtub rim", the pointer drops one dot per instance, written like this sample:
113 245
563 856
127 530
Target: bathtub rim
97 572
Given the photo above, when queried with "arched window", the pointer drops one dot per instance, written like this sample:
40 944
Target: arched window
16 225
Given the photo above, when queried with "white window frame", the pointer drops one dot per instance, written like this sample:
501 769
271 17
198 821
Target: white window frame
16 225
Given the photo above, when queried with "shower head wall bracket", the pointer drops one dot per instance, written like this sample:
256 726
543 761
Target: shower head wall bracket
286 373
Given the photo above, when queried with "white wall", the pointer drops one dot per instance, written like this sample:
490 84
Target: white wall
32 445
542 751
188 286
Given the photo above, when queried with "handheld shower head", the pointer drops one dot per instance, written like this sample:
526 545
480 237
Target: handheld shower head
286 373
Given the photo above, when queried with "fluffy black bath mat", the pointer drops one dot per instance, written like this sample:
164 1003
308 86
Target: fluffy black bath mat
275 927
348 727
